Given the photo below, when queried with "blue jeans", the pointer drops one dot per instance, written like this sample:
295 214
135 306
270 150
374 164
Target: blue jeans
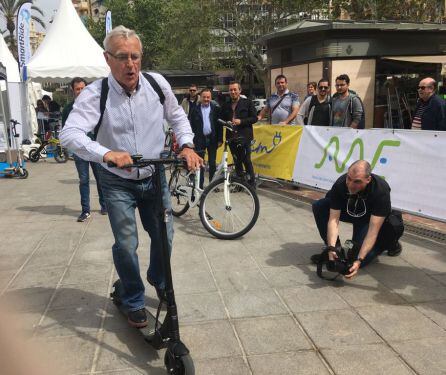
122 197
83 170
321 212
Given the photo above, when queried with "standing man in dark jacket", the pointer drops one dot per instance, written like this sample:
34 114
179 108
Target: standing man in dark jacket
242 113
430 113
208 133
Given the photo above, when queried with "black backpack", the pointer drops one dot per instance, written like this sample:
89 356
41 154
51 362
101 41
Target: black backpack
104 95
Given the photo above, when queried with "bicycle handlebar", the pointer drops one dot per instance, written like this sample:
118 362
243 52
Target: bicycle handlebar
227 124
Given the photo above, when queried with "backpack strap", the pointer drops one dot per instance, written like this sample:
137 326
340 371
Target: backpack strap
104 95
155 86
102 102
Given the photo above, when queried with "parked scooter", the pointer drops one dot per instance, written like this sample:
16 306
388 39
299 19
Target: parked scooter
15 169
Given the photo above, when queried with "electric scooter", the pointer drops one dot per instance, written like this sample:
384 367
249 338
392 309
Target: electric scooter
16 169
166 335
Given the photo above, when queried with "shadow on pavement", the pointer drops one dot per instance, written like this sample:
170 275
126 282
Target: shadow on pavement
50 210
86 309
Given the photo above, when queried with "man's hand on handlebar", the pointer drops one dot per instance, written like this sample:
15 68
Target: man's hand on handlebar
193 161
120 158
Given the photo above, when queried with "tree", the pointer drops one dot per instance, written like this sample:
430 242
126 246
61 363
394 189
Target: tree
8 9
242 22
403 10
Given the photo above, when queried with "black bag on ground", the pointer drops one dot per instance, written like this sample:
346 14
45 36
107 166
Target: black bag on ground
391 231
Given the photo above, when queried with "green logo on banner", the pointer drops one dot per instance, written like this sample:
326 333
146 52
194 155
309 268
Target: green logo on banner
340 165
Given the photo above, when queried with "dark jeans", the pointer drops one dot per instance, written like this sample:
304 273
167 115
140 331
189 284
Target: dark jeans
83 170
212 156
321 212
241 153
122 197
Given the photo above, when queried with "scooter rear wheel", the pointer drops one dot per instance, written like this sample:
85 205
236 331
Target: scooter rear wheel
22 173
61 155
179 365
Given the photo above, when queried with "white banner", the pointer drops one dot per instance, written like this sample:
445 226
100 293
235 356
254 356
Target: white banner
108 22
23 26
412 162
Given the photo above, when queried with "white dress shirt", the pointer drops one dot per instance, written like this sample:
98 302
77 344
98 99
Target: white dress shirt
130 123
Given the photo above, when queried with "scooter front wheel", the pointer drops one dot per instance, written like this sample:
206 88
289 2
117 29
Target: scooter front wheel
179 365
34 155
22 173
61 155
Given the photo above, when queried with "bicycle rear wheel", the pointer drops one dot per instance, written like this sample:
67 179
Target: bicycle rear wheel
178 195
229 221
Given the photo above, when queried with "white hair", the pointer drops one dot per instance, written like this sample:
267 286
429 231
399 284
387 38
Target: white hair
120 32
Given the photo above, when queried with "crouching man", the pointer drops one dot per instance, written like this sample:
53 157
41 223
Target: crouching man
363 199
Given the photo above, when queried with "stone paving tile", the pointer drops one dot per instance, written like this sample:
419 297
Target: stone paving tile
211 340
429 258
126 348
68 322
200 307
271 335
386 320
87 273
240 280
30 277
411 284
440 277
5 278
85 255
234 259
219 366
27 299
253 303
330 329
291 276
435 311
427 356
375 359
89 296
366 290
193 282
307 298
290 363
69 354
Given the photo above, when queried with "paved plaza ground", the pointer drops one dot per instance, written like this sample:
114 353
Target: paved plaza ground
249 306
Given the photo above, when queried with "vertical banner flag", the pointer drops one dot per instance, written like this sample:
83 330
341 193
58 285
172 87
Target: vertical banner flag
108 22
23 45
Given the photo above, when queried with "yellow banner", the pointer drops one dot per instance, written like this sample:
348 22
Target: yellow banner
274 150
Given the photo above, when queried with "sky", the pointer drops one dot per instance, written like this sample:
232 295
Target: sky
48 7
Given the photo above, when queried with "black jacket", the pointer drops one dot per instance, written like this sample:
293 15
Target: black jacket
196 122
434 116
246 112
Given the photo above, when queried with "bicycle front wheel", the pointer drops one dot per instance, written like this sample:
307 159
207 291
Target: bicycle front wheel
178 195
232 216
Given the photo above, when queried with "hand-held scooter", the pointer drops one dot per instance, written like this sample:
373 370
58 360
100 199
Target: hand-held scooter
166 335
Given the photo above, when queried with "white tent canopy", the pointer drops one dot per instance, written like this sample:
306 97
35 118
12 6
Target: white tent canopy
67 51
9 62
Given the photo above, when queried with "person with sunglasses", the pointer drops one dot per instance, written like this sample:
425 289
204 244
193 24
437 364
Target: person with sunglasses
363 199
191 100
316 109
430 112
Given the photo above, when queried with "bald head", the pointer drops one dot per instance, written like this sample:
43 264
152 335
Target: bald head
358 176
426 88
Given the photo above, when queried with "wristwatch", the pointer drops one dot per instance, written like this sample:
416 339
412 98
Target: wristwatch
187 145
359 259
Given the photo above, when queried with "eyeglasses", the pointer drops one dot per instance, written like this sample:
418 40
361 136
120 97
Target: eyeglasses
323 88
340 84
123 57
356 206
424 87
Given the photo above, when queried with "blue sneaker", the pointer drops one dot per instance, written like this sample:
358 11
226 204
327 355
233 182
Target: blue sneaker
83 216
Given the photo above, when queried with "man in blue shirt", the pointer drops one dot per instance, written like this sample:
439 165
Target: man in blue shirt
132 123
208 133
283 106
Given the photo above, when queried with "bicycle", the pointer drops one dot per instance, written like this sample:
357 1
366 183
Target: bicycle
229 207
60 154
